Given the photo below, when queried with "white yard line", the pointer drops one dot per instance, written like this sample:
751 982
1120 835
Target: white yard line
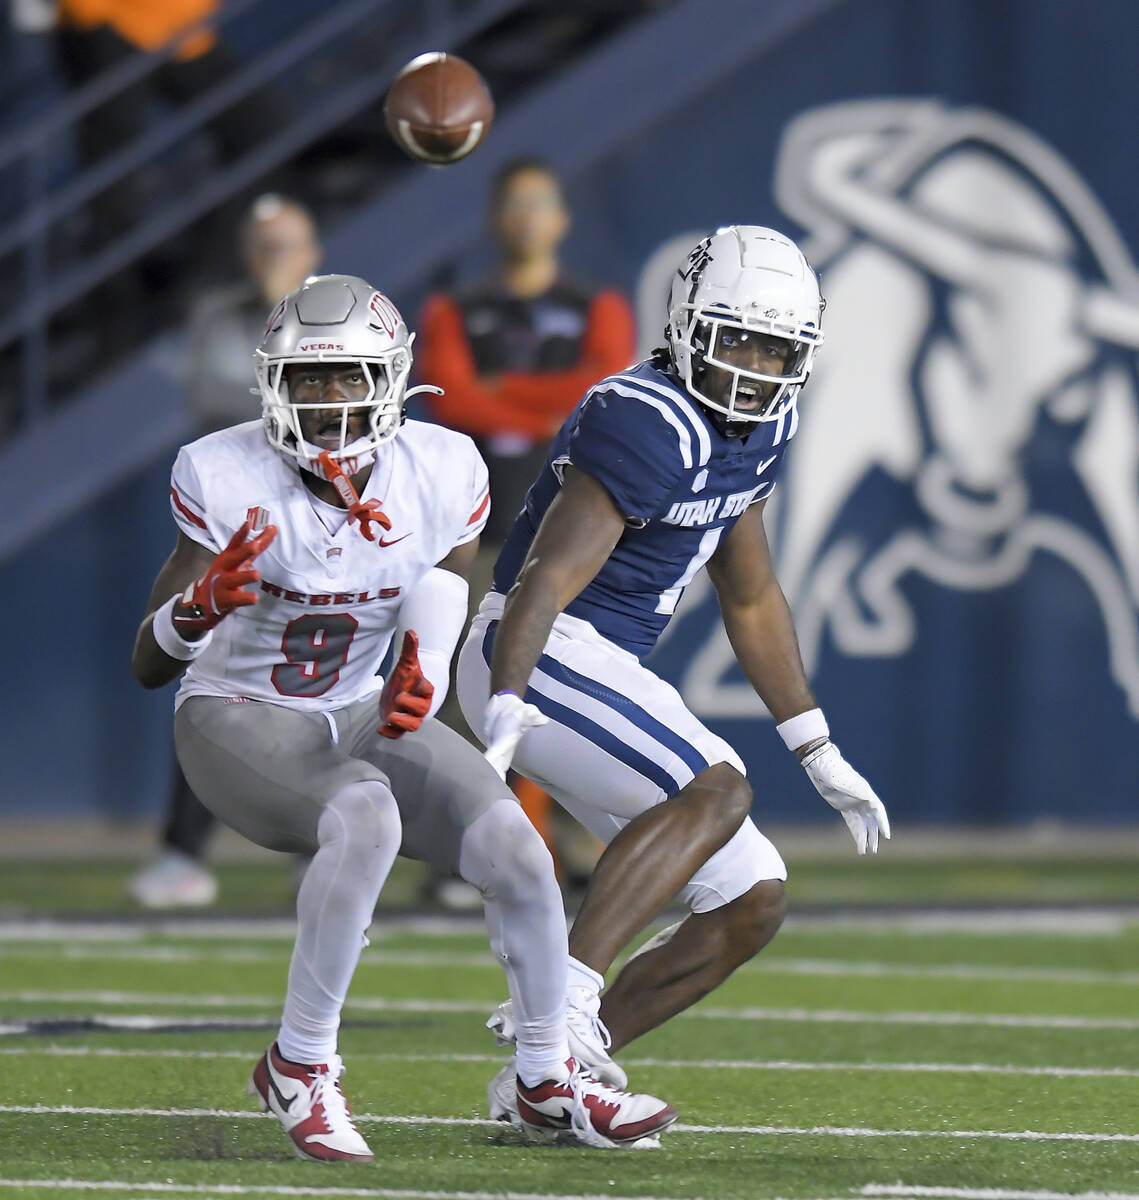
842 1016
1058 922
223 928
831 966
253 956
665 1063
703 1012
846 1131
878 1190
416 958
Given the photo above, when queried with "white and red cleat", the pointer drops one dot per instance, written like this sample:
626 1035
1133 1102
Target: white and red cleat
308 1102
583 1109
588 1038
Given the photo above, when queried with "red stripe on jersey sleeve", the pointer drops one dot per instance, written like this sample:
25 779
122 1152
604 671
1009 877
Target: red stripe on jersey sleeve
190 516
481 508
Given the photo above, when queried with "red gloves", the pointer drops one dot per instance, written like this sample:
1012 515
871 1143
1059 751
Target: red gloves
406 698
221 589
363 511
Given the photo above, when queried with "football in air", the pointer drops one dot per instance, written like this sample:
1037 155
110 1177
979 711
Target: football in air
438 108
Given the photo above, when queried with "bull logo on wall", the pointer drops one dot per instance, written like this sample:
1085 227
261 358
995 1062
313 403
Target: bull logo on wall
980 303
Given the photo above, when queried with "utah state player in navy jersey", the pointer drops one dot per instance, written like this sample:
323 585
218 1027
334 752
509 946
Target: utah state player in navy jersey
660 470
679 482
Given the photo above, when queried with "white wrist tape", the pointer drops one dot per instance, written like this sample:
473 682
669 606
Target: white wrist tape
436 608
170 640
807 727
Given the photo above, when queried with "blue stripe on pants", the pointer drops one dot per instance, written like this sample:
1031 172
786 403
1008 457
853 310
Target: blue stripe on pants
601 737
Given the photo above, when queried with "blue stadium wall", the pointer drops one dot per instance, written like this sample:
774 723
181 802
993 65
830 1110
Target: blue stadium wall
958 524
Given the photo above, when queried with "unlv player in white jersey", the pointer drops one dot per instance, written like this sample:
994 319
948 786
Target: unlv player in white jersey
306 542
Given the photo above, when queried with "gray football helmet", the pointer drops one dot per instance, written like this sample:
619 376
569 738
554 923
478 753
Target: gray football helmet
335 318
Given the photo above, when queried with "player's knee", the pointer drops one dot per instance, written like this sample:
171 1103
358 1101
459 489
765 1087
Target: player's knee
364 816
725 795
503 855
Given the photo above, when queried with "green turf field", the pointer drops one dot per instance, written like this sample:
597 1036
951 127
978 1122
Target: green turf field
265 886
880 1059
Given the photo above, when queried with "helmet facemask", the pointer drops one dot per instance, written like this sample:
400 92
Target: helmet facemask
702 345
384 403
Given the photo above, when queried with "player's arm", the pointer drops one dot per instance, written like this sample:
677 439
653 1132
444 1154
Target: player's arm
757 618
195 589
576 537
150 664
431 619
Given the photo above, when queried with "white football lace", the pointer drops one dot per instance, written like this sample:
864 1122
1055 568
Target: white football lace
580 1122
324 1091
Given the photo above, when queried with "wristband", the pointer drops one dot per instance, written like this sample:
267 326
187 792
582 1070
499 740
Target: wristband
170 640
806 727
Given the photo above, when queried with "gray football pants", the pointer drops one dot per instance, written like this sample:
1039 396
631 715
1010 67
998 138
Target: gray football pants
329 785
267 771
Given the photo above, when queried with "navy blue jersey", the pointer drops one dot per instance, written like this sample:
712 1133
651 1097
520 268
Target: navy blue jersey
679 482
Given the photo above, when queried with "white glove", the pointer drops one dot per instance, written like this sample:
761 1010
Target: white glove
506 718
841 786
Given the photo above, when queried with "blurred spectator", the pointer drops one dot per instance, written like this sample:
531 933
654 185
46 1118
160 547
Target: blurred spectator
515 352
279 248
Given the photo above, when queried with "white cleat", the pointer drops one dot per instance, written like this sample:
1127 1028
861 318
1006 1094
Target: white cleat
173 880
589 1040
580 1108
502 1095
309 1103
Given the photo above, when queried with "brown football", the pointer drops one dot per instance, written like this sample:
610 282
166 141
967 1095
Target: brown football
438 108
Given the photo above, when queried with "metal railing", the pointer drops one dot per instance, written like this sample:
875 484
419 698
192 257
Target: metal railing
440 23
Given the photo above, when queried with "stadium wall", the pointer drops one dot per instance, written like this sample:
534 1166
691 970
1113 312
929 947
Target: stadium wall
958 524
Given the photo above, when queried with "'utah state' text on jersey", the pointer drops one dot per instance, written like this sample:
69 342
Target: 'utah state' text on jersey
680 483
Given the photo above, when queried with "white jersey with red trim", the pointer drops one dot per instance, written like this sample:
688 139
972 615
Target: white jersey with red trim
328 599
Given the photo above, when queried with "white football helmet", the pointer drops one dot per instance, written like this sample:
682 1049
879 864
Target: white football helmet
335 318
752 279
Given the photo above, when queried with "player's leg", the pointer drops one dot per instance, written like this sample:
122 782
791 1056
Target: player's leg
651 858
278 777
624 755
458 815
738 906
626 758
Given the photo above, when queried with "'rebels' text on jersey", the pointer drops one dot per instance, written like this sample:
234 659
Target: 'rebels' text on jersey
680 483
328 600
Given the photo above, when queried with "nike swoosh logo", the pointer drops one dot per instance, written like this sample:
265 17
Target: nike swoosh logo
759 470
394 540
285 1104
